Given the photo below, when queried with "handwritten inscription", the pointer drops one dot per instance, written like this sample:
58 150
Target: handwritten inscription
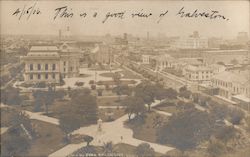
119 15
213 14
27 11
64 12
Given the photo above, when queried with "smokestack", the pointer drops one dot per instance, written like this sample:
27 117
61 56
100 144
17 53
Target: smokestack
60 34
125 36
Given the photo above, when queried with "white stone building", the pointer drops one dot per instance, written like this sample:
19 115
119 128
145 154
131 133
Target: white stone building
49 64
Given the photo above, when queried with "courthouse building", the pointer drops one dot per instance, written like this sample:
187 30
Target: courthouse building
50 64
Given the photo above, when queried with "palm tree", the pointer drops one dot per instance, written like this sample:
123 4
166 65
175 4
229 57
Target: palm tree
108 148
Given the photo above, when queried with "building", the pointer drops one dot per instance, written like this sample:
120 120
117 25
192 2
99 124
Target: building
103 54
145 59
42 63
49 64
192 42
231 84
163 61
200 74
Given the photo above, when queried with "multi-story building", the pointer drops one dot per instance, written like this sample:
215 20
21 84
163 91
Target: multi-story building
231 84
200 74
49 64
163 61
103 54
192 42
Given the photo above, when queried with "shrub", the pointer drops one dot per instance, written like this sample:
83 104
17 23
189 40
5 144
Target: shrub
93 87
91 82
79 83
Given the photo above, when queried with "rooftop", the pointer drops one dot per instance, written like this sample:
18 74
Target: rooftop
231 77
43 48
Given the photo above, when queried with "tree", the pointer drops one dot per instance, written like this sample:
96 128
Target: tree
134 105
216 148
108 148
11 96
88 139
186 129
45 97
15 145
16 141
144 150
82 110
226 133
163 93
146 91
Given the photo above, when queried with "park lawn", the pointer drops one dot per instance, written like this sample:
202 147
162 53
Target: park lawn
116 113
169 109
58 108
109 101
130 75
6 116
168 106
107 74
111 82
49 140
146 131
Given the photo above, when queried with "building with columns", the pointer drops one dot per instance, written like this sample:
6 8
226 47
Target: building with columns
50 64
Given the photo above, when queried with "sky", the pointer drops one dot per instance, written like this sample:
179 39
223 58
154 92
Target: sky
171 25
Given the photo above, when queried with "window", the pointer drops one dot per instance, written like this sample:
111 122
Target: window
31 67
38 76
64 63
31 76
46 76
64 69
46 66
53 76
38 66
54 67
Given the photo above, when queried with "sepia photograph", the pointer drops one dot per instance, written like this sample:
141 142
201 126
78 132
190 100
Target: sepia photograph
125 78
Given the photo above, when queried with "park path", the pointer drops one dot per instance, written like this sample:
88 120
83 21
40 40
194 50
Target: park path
37 116
111 131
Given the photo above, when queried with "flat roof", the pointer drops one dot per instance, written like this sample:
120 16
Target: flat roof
43 48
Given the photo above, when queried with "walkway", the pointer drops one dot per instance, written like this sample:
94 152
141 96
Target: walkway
111 131
37 116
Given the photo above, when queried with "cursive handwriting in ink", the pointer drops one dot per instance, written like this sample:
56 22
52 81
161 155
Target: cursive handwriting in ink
63 12
161 16
141 14
27 11
213 14
119 15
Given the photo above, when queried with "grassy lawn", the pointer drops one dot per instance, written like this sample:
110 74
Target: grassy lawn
58 108
6 115
146 130
130 75
50 139
109 114
111 82
169 106
109 101
107 74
